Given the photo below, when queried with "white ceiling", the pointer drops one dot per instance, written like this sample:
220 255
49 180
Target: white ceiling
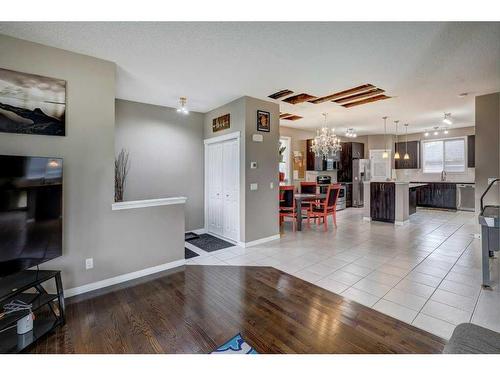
423 66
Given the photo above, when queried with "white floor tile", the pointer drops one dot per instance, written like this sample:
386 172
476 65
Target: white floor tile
344 277
357 269
455 300
460 289
433 325
487 310
332 285
360 296
445 312
413 287
423 278
396 311
406 299
372 287
384 278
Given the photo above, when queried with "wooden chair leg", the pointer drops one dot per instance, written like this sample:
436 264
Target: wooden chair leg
325 223
335 219
294 223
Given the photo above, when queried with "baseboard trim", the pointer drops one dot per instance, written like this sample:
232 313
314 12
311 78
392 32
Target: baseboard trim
260 241
122 278
367 218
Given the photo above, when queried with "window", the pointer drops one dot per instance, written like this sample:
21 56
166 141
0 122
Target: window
447 155
285 165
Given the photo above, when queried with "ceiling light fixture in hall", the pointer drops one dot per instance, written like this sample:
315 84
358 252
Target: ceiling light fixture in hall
396 154
350 133
447 119
182 106
406 156
326 143
385 154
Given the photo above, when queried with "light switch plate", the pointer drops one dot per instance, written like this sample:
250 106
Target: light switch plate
89 263
257 137
254 186
271 185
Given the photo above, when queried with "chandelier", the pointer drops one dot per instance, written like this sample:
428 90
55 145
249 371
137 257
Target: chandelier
326 143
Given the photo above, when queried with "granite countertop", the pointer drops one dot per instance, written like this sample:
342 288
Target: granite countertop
417 184
442 182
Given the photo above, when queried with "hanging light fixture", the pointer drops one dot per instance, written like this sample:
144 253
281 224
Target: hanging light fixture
436 132
326 143
396 154
426 134
445 131
406 156
350 133
385 154
182 106
447 119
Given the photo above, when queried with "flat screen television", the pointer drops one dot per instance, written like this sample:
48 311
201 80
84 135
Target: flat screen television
30 211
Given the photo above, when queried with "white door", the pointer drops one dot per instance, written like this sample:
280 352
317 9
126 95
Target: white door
222 188
214 188
230 188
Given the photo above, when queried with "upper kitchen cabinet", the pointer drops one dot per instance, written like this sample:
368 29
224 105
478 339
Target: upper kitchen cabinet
471 151
413 152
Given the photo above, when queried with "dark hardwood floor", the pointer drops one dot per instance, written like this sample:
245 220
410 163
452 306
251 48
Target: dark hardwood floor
197 308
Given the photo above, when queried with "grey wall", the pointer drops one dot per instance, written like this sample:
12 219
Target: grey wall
258 209
119 241
487 145
166 153
262 205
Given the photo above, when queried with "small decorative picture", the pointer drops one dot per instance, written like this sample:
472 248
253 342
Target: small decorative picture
32 104
263 121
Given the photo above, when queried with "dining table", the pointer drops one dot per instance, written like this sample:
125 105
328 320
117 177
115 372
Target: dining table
299 198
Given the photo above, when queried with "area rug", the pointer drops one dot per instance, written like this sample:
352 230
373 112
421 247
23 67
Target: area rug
235 346
188 254
209 243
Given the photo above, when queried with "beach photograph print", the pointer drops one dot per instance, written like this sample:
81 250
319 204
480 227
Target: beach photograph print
32 104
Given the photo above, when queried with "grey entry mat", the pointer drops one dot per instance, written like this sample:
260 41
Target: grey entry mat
209 243
188 254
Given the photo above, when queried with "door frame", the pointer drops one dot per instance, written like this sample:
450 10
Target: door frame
219 139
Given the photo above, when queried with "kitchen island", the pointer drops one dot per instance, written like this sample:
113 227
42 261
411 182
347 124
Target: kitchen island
390 201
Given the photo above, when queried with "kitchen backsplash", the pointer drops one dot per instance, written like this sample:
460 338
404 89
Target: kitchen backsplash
418 175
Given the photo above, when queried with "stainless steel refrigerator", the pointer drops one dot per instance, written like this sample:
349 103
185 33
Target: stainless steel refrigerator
360 173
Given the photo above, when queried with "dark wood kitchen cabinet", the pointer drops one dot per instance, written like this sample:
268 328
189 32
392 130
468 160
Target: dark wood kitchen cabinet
471 151
412 201
383 201
350 151
413 152
437 195
310 156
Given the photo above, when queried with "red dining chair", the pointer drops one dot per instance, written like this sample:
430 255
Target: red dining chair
308 187
326 208
287 204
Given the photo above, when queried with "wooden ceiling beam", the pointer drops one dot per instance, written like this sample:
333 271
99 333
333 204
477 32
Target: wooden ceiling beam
300 98
341 94
366 101
280 94
363 95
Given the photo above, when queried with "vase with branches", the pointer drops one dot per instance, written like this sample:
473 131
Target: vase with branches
122 166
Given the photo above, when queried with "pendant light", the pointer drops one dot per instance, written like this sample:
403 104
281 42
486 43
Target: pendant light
396 154
406 157
385 154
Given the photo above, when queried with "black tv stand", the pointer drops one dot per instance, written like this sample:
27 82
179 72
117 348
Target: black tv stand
47 307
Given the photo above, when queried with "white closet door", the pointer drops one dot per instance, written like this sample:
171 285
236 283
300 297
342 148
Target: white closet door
215 195
230 189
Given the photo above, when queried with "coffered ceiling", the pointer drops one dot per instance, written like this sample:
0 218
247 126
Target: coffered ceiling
420 67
